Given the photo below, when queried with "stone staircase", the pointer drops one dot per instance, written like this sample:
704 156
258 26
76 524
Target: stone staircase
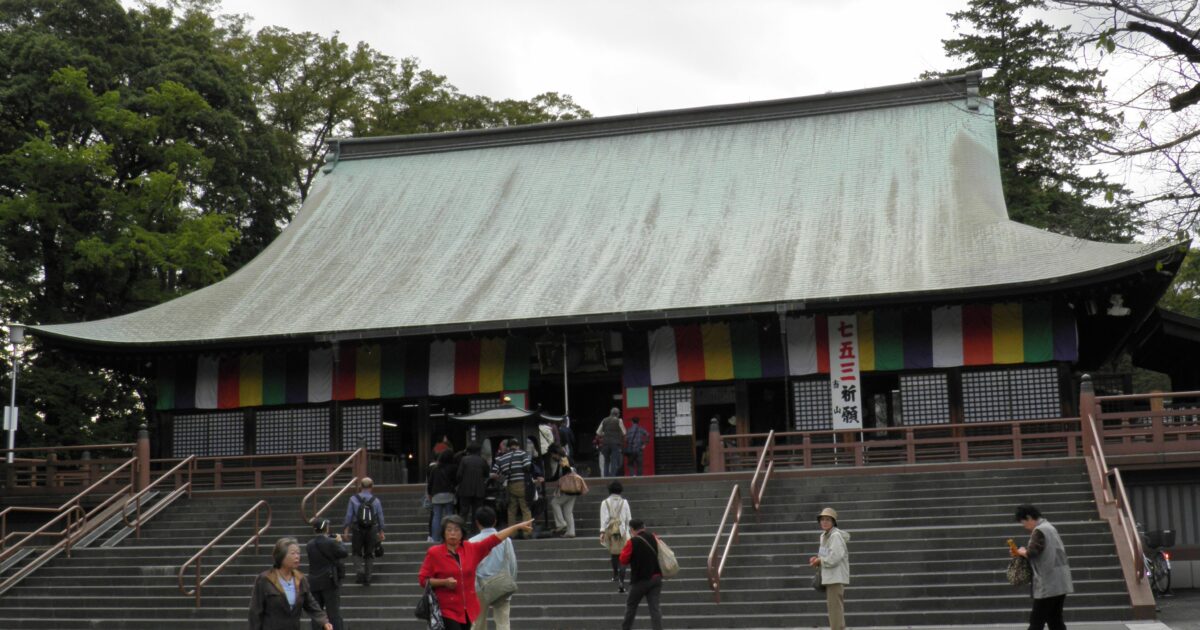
927 548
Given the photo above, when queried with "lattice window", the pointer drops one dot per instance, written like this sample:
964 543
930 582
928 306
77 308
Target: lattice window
926 398
812 406
484 403
301 430
362 421
1017 394
1035 394
207 434
667 403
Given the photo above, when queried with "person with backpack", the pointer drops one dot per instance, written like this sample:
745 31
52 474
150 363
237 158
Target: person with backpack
364 525
614 529
496 576
570 487
513 469
611 434
641 555
635 442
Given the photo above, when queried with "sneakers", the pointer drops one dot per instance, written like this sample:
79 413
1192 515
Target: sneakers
621 588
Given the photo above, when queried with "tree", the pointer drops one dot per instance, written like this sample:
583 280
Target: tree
1157 43
127 169
1046 120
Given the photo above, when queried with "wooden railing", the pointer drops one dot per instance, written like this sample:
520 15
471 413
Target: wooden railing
758 483
1112 502
357 465
58 467
1155 428
295 470
198 558
715 568
187 465
943 443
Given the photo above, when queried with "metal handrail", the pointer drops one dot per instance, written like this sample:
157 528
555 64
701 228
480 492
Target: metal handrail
136 499
759 486
258 532
130 463
41 531
715 569
73 502
362 452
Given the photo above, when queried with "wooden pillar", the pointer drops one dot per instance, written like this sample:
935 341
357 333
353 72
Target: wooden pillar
716 449
143 457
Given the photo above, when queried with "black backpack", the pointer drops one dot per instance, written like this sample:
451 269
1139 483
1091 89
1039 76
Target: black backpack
364 517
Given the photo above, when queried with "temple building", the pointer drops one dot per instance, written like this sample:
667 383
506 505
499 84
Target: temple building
837 261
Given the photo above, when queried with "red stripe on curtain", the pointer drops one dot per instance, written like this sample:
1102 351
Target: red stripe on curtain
229 394
343 373
689 353
466 366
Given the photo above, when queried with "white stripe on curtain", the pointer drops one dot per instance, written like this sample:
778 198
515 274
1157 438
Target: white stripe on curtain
441 368
207 374
664 365
947 336
802 345
320 375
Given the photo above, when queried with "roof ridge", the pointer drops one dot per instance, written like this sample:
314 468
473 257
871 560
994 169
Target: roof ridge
951 88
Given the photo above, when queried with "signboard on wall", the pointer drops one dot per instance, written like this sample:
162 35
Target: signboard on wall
845 394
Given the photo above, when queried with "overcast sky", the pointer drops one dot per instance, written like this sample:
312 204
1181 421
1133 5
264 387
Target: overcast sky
625 56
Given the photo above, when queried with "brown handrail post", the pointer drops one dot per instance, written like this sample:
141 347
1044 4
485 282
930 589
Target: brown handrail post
143 457
360 462
1087 409
716 451
52 470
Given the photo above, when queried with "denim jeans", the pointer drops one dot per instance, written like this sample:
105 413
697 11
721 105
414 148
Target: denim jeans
613 459
440 511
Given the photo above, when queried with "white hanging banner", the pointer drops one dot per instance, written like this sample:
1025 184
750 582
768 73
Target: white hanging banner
10 418
846 395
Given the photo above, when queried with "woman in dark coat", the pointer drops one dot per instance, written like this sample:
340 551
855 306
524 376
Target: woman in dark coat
440 488
281 592
472 480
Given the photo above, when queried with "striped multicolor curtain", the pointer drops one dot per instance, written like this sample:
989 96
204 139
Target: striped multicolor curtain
362 372
953 336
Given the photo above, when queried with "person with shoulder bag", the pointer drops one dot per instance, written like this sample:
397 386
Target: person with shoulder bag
281 593
496 576
570 487
832 563
327 569
641 553
614 529
1051 571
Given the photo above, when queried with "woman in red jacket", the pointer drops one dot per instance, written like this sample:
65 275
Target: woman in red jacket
450 568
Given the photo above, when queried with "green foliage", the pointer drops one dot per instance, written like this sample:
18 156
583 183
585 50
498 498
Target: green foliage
148 152
1048 118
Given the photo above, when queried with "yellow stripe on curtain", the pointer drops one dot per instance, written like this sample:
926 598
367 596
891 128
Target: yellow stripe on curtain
367 363
718 352
866 342
491 365
250 380
1008 337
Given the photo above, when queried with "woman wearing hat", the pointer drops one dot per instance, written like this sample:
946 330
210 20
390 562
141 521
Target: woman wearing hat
833 561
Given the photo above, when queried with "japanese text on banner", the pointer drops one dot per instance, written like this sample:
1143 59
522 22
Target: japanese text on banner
846 394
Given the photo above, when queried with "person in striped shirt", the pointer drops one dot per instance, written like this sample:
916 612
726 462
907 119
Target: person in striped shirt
511 469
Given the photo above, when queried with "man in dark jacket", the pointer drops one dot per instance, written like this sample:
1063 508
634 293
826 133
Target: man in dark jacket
472 480
641 554
326 568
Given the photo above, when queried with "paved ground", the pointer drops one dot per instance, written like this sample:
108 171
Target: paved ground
1178 612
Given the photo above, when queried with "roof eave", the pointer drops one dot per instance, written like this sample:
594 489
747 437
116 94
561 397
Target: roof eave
1163 260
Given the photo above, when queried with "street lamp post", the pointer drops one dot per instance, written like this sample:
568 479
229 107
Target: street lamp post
16 335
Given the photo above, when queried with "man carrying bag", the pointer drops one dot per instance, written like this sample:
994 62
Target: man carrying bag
496 576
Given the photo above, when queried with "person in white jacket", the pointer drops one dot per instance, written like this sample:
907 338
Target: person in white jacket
833 561
614 529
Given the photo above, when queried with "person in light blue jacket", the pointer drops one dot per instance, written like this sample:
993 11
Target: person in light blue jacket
496 576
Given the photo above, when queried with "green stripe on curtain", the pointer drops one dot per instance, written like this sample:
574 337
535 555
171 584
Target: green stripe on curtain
391 371
889 340
743 336
165 385
1038 323
274 386
516 364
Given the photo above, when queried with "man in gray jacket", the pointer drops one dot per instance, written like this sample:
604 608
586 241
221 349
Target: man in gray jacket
1051 572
